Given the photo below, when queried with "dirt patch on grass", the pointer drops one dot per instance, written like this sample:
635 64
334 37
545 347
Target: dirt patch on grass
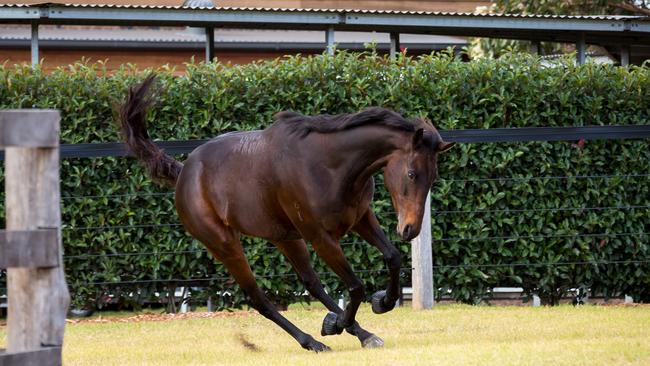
248 344
153 317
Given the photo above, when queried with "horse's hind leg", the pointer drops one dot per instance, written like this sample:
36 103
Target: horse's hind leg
224 244
239 268
298 255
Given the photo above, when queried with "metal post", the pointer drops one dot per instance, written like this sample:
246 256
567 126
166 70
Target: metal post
581 48
458 53
185 293
422 275
394 45
535 47
209 44
34 43
329 40
625 55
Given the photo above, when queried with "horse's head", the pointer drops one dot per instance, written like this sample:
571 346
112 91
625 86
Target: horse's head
409 174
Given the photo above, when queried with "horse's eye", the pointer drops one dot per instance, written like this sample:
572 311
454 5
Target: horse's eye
411 174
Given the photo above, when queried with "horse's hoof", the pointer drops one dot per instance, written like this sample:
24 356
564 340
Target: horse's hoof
372 342
378 304
329 325
316 346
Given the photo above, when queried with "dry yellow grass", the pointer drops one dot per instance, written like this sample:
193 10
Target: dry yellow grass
447 335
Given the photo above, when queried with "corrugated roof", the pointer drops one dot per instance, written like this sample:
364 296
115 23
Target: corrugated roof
594 29
182 34
316 10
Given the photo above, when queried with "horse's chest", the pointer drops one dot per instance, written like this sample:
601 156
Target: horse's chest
339 222
340 218
326 208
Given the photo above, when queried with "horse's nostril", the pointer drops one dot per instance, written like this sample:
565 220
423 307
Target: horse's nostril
407 232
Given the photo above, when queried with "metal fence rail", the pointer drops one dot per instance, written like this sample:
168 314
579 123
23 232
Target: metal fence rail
468 136
518 134
381 270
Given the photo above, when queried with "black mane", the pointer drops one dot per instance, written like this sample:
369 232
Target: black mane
325 123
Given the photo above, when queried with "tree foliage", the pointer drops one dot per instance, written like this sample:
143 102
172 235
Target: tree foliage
492 47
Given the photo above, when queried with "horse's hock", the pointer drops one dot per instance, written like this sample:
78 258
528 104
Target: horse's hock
30 248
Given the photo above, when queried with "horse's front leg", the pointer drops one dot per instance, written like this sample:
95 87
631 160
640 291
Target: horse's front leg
297 253
329 250
368 228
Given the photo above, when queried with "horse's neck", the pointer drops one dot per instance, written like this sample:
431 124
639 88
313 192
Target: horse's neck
362 152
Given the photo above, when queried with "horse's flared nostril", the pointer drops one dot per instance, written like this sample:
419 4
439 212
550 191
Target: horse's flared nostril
406 234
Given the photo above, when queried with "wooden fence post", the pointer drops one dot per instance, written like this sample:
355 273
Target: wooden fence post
37 293
422 263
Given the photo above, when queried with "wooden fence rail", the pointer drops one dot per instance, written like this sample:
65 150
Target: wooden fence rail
31 248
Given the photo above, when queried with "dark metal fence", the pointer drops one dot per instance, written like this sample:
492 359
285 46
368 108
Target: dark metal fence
464 136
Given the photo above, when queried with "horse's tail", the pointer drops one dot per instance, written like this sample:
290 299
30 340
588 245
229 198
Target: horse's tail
161 167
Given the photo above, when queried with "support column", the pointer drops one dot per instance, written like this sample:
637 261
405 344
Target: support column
535 48
625 55
34 44
458 53
394 45
329 40
581 49
209 44
422 263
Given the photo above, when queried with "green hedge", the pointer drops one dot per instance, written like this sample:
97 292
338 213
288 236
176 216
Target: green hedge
545 257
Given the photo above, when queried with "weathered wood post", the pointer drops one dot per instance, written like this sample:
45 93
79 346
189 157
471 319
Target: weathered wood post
31 248
422 263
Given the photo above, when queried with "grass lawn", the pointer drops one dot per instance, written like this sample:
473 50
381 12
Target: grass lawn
447 335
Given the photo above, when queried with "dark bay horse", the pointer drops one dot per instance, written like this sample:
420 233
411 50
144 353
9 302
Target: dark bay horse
301 179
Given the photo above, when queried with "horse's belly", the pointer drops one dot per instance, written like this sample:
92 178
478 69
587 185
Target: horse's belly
254 214
268 228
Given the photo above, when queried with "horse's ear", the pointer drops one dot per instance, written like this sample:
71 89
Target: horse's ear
444 146
417 138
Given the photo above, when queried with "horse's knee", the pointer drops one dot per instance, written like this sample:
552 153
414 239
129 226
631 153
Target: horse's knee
357 292
312 284
393 258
